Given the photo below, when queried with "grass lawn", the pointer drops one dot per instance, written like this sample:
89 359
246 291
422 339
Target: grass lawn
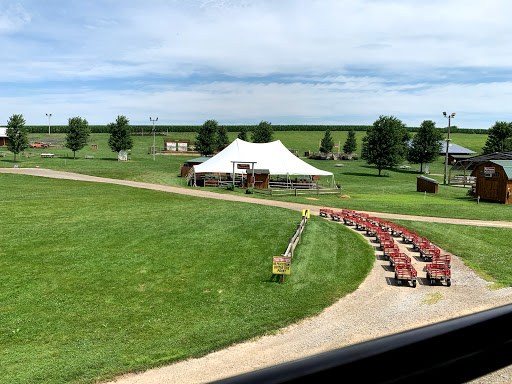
485 250
98 279
393 193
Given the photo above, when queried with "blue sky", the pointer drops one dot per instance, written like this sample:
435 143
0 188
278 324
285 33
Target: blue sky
243 61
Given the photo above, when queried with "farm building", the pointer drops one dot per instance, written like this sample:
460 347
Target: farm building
258 165
460 172
455 152
187 166
494 180
3 137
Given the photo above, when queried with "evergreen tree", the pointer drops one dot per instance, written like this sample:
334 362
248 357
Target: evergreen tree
222 138
426 144
499 139
385 143
263 133
327 143
120 136
206 138
78 132
17 134
242 135
350 145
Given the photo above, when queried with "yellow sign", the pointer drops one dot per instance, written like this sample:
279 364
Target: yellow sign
281 265
306 212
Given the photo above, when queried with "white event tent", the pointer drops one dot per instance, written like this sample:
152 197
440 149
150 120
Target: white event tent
273 156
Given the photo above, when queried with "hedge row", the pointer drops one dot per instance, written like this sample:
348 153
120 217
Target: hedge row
237 128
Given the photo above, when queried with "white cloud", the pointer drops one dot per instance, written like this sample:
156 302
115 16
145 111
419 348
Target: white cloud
238 61
12 17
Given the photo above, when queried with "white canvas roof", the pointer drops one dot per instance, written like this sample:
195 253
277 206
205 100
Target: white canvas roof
273 156
3 132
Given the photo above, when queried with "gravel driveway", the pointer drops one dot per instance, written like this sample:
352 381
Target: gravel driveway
377 308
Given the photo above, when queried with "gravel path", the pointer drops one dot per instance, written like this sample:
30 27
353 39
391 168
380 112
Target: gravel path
377 308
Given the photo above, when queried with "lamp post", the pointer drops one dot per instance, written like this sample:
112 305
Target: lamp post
449 117
49 116
153 120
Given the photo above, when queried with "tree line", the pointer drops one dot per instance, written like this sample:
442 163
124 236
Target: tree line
77 133
238 128
213 137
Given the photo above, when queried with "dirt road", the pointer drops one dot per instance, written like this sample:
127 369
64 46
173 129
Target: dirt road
377 308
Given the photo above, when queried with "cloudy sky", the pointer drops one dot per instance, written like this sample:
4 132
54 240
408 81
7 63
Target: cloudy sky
243 61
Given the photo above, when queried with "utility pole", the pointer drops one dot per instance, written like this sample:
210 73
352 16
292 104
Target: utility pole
449 117
49 116
154 149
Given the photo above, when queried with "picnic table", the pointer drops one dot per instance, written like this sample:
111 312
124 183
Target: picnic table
50 155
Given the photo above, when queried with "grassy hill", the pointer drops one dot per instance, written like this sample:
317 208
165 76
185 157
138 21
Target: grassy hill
98 280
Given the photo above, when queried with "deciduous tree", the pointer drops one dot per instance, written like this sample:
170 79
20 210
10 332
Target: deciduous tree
78 132
263 133
426 144
17 134
499 139
385 143
120 139
222 137
205 140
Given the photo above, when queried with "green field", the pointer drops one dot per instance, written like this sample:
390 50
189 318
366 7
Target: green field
98 279
101 279
393 193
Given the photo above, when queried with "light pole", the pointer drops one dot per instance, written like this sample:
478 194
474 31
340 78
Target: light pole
449 117
49 116
153 120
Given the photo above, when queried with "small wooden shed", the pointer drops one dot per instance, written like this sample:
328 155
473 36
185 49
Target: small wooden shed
4 140
185 168
261 178
426 184
494 181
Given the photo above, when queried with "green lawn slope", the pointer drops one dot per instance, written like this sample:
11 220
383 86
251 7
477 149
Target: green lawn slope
98 279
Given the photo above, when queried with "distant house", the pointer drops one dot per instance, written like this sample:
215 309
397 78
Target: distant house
3 137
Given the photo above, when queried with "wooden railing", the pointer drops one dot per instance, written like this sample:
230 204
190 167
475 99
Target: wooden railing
295 240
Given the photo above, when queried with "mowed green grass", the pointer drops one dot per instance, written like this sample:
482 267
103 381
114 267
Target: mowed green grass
485 250
395 192
99 280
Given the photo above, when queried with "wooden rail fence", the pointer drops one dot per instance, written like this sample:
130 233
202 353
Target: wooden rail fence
294 241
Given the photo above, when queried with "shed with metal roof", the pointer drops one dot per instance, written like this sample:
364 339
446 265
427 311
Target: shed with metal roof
494 181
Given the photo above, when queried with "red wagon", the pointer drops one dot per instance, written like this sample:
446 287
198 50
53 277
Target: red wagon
398 258
439 272
405 272
442 259
428 251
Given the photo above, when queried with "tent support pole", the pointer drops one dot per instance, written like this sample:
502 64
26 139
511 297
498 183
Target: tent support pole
233 176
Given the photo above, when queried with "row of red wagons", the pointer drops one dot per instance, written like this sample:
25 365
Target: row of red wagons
439 270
